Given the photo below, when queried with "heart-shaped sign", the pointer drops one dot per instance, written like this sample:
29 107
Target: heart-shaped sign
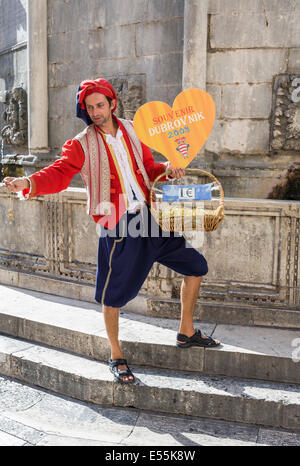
178 132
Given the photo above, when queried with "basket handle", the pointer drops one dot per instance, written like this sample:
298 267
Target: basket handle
193 171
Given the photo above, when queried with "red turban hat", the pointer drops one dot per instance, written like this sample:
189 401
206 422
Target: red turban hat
89 87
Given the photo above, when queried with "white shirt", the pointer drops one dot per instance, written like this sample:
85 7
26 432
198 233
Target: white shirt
131 186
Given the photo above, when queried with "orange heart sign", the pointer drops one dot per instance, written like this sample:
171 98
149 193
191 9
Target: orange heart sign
178 132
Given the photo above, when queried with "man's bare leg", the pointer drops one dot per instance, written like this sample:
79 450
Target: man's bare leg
111 319
189 294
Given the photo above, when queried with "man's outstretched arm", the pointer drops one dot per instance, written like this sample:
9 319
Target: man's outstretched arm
52 179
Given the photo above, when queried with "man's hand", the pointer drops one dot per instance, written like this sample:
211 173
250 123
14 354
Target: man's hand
15 185
176 172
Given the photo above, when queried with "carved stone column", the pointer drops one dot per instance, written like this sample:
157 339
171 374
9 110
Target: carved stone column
195 44
37 77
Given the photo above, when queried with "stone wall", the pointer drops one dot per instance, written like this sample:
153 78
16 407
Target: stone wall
136 41
252 49
253 256
250 44
248 49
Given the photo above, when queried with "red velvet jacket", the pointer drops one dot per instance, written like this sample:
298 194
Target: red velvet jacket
58 176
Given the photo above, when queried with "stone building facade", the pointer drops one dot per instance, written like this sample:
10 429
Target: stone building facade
246 54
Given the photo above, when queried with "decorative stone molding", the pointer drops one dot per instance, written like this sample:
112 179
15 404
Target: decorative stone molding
285 131
14 132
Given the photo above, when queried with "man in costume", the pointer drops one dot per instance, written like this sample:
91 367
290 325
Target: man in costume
117 170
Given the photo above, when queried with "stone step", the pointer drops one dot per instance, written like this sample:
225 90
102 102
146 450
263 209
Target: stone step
227 313
60 287
224 398
252 352
31 415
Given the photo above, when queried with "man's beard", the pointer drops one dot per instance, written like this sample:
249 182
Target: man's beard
102 121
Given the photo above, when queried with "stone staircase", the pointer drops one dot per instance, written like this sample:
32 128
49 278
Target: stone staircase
60 344
242 314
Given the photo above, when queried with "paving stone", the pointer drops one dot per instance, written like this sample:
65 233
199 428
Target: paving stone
278 438
8 440
16 396
61 441
64 417
21 433
57 420
152 429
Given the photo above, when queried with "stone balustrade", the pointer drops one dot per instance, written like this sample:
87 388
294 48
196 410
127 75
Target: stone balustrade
50 244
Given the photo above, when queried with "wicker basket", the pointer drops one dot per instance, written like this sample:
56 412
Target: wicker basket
190 215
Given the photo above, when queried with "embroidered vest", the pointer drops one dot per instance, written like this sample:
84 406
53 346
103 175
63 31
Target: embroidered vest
96 171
